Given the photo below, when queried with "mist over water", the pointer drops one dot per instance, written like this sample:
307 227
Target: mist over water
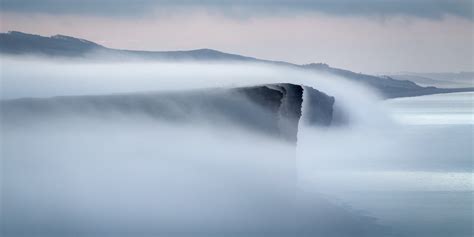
108 171
415 177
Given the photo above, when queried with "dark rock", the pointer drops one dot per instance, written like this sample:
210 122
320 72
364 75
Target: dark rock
319 111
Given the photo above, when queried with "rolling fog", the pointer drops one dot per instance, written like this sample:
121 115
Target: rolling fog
109 171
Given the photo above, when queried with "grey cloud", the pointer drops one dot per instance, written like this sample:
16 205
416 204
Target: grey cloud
417 8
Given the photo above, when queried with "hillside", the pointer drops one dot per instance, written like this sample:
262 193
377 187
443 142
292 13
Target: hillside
18 43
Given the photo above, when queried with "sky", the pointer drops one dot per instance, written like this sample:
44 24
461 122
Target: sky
369 36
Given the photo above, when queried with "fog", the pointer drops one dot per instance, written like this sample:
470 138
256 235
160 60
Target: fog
112 172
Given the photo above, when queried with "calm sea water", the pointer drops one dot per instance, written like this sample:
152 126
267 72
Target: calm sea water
441 109
433 195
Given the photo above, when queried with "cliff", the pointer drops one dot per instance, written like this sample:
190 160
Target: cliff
271 110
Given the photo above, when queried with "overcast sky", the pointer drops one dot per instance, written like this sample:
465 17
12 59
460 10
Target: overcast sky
371 36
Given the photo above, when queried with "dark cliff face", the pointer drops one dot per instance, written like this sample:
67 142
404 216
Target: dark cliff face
284 101
274 110
319 109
